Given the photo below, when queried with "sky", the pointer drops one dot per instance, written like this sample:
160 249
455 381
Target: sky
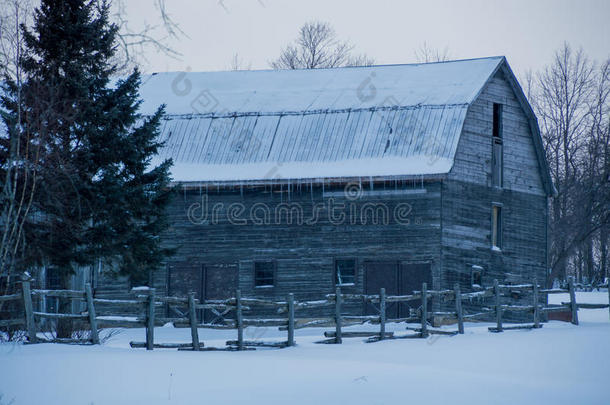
527 32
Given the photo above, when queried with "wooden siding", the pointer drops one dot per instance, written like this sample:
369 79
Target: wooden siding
473 156
305 254
467 197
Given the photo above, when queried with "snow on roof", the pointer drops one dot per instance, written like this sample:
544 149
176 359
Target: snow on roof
361 121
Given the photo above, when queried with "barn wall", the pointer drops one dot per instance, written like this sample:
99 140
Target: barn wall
305 253
473 156
468 196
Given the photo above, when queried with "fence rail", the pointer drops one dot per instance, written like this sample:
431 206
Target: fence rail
146 301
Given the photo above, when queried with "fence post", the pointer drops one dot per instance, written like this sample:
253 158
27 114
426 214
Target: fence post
338 320
29 312
458 308
498 306
239 320
150 320
424 310
382 313
193 322
573 305
290 319
95 338
536 306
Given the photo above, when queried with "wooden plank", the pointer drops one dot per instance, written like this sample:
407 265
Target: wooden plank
11 322
60 316
193 322
382 313
458 308
357 334
10 297
142 345
265 322
217 349
424 310
240 321
498 306
556 308
573 305
434 331
29 312
514 327
95 338
536 305
257 343
118 302
592 306
554 291
75 294
150 320
338 319
290 340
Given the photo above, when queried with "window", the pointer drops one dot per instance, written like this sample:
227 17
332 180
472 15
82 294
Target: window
345 272
476 276
496 227
497 152
264 274
497 121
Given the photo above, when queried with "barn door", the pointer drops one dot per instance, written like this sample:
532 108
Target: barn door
411 277
183 278
381 274
220 283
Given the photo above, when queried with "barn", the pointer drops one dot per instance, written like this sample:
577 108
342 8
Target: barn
299 181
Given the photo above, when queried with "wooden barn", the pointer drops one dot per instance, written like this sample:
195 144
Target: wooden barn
364 177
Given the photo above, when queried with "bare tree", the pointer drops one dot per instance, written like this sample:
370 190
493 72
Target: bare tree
134 43
318 46
571 100
16 149
237 63
426 54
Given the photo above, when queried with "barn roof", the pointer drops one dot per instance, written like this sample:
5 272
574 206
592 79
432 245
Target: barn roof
393 120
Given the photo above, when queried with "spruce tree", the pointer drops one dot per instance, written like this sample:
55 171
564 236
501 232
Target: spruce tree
97 196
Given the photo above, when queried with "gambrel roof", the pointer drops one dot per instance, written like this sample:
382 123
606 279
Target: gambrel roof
393 120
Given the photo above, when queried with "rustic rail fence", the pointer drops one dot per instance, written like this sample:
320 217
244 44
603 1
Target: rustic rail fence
490 307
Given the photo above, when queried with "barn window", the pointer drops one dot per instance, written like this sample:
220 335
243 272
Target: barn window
496 227
264 274
345 271
497 153
497 121
476 277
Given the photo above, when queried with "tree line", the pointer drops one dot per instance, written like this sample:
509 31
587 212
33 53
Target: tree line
571 97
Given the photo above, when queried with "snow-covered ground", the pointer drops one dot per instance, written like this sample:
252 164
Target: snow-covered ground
558 364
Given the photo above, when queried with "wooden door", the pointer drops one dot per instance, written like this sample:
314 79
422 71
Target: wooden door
411 277
183 278
221 280
381 274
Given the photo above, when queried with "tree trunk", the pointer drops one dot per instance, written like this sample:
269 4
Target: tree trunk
65 326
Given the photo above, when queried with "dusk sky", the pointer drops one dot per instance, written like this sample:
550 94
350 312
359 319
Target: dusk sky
525 31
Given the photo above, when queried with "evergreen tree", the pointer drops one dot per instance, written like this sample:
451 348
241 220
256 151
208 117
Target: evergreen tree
96 196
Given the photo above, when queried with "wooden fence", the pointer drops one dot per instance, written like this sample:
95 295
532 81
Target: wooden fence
147 300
